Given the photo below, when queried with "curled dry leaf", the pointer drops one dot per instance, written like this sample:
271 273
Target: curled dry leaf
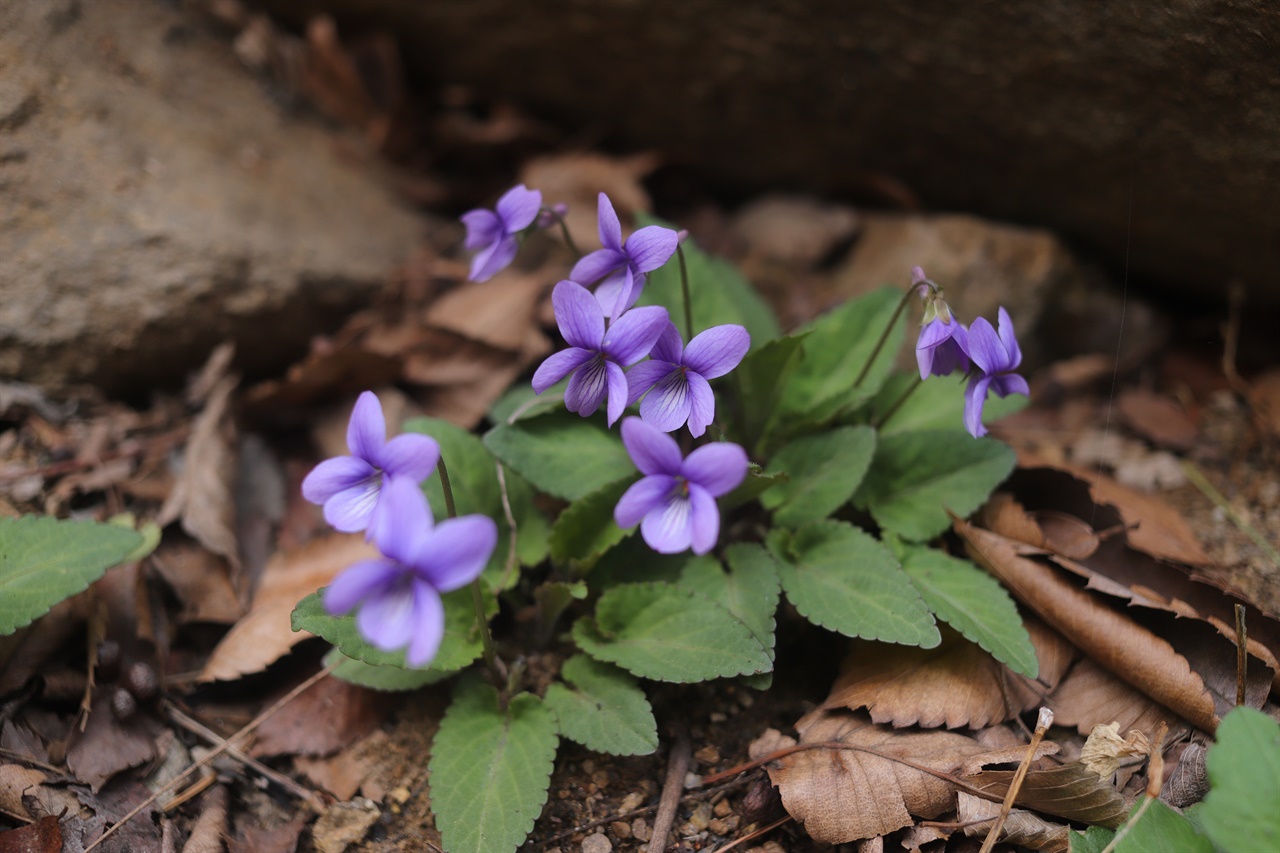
1021 828
211 826
265 633
1090 696
16 780
1104 749
1070 791
1119 644
954 684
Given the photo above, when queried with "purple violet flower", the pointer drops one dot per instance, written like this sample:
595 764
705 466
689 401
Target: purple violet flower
596 355
996 357
676 376
940 349
351 487
492 234
675 502
619 267
398 596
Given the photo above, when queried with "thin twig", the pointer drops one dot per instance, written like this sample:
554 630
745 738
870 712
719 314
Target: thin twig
197 788
1043 721
243 733
1242 655
677 767
197 728
752 836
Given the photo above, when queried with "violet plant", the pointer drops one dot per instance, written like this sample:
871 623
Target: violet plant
809 468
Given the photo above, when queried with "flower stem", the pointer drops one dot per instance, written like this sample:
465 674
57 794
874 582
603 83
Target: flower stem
884 336
916 382
477 596
688 301
564 229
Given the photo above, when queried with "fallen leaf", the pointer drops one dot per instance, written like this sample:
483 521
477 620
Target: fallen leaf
1021 828
1070 791
211 826
1104 749
955 683
576 179
15 780
799 229
1119 644
499 312
1065 534
1186 779
43 836
1158 418
320 721
343 773
200 581
107 745
1091 696
265 634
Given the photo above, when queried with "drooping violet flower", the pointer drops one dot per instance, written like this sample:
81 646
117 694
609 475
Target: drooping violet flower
549 217
675 502
595 355
351 487
996 356
398 595
491 234
940 347
676 376
620 268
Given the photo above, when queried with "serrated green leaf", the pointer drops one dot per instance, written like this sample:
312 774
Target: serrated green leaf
669 633
843 579
839 344
1094 840
823 470
586 528
938 404
461 645
1240 813
750 591
975 604
1160 829
718 293
606 710
916 477
490 768
633 561
473 479
761 378
44 560
385 678
148 530
561 453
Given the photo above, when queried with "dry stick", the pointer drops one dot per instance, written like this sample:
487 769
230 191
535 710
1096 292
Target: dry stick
1155 780
681 755
230 742
197 728
196 789
1043 721
1242 654
752 836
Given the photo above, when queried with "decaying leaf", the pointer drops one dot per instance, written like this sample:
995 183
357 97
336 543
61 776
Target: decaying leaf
1140 657
1104 749
1186 778
43 836
1070 791
1157 417
1021 828
326 717
265 633
1090 696
15 780
199 579
107 745
954 684
576 178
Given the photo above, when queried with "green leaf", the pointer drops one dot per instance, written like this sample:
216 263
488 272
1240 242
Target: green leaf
385 678
761 379
916 477
43 561
473 479
148 530
824 470
756 483
937 404
975 604
606 710
1094 840
843 579
553 597
561 453
839 344
1240 811
718 293
669 633
633 561
521 401
586 528
1160 829
461 644
750 591
490 768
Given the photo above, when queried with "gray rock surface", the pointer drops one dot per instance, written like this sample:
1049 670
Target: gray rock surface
154 201
1146 131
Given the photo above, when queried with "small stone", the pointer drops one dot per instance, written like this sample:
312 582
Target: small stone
344 824
691 781
621 828
631 802
746 700
725 826
718 717
723 809
399 795
708 755
598 843
701 817
640 829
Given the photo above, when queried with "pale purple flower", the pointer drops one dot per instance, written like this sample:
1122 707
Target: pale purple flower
620 268
351 487
596 355
678 376
491 234
675 502
996 356
940 348
398 595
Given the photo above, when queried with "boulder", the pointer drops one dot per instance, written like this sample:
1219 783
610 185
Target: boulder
155 201
1145 132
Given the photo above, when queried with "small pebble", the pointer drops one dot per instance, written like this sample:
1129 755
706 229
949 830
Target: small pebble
598 843
640 829
701 817
620 828
723 827
708 755
718 717
631 802
723 809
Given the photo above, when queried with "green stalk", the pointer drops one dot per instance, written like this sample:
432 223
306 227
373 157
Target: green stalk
884 336
897 404
688 301
564 229
477 597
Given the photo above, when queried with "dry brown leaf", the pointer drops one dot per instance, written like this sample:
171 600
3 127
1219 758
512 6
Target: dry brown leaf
1119 644
201 494
843 795
1070 791
199 579
343 773
499 312
954 684
211 826
16 779
1021 828
1104 749
1004 515
327 372
1186 779
1157 418
43 836
265 633
107 746
327 717
1091 696
1066 534
576 179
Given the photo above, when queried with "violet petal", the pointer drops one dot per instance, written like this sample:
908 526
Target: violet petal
580 319
518 207
367 429
559 365
428 631
457 551
643 497
336 475
651 247
667 529
702 405
410 455
644 376
667 406
358 582
633 335
651 449
587 387
716 351
718 468
704 519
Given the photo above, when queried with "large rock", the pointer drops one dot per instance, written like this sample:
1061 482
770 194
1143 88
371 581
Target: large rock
1147 131
153 202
